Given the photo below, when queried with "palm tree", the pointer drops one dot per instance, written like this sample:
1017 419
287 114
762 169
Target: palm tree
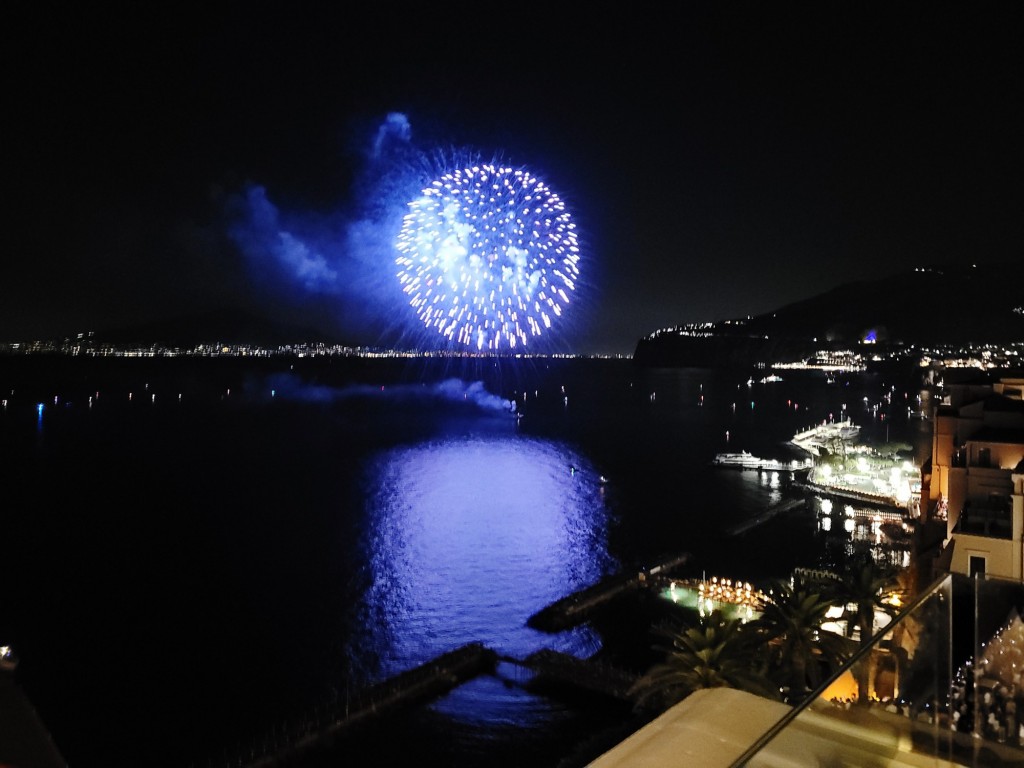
716 653
798 651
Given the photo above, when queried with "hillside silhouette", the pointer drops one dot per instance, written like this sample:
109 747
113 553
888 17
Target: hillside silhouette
940 305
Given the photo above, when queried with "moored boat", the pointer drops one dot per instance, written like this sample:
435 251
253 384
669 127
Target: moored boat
741 459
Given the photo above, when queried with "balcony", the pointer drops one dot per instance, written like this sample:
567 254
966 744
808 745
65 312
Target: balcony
993 519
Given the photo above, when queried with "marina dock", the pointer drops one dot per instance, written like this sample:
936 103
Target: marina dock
880 500
822 438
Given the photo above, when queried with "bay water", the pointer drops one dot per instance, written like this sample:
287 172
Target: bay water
195 552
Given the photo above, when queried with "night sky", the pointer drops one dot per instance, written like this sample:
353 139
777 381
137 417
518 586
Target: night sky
719 159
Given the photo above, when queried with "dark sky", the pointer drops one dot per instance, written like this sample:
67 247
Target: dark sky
720 159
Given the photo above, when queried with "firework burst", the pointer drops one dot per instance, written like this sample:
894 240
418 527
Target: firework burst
488 256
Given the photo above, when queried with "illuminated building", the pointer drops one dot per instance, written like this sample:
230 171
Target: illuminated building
977 478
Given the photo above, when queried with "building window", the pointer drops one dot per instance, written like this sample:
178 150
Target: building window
976 567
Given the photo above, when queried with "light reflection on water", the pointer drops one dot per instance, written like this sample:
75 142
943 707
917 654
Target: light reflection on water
470 536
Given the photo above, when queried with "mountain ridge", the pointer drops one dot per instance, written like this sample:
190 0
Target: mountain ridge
939 305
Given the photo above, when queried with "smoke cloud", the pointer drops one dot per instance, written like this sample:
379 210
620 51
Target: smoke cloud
290 387
343 259
395 128
273 249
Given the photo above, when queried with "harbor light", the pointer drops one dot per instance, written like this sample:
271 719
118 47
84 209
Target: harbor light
903 493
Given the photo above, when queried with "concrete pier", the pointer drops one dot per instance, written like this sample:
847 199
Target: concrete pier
320 730
24 739
578 607
555 668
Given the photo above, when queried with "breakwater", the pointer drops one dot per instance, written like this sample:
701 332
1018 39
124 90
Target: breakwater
775 509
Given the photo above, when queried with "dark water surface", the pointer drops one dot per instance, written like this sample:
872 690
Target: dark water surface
195 552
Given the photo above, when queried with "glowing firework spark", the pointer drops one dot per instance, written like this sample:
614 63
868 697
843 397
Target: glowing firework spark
489 256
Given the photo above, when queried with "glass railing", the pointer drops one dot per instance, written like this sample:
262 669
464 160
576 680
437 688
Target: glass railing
940 685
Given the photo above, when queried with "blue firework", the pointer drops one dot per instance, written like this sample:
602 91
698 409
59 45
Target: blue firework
488 256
